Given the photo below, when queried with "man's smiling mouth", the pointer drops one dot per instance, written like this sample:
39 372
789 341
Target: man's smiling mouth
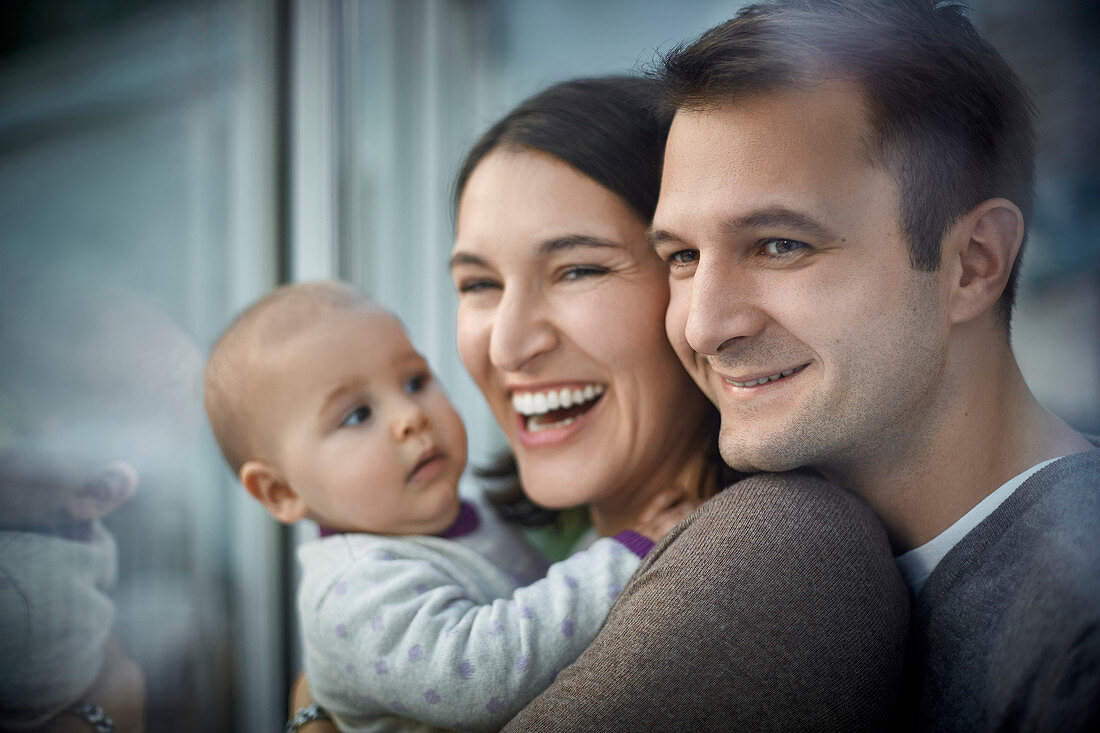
757 381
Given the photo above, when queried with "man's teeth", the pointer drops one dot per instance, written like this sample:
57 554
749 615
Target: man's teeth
540 403
764 380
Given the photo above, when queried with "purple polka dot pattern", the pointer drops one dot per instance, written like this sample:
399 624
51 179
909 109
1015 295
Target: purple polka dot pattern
416 653
525 612
431 696
342 631
496 628
380 667
494 706
567 628
466 669
398 707
376 623
614 590
351 669
521 663
421 589
387 555
340 588
367 698
570 581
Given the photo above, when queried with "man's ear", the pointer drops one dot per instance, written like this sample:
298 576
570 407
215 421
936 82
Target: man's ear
269 488
982 248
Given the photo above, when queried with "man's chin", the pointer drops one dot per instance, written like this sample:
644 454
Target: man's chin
755 459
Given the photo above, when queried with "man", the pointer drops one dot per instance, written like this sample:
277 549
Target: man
847 188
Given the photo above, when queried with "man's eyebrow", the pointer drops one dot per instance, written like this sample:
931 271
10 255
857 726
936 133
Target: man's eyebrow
773 218
780 218
656 237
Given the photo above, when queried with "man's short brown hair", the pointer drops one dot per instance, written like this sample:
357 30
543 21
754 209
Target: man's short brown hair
949 118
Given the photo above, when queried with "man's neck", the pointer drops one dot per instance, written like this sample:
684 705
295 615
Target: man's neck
984 428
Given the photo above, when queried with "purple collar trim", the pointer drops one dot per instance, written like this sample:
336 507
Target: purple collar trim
466 522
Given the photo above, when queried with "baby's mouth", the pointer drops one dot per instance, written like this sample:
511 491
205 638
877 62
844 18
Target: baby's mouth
426 463
555 408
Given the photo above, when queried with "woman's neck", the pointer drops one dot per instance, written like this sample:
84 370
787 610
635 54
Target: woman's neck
695 476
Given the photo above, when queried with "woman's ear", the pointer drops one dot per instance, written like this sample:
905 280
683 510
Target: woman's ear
982 248
269 488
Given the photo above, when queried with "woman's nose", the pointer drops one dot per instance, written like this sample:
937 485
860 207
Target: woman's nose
410 420
520 334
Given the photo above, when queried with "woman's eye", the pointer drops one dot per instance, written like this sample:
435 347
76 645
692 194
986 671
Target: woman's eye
781 247
577 272
476 285
417 383
358 416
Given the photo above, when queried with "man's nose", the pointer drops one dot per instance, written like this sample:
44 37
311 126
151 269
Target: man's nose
724 307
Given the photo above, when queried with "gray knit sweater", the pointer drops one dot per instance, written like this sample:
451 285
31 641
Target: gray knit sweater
777 606
1006 632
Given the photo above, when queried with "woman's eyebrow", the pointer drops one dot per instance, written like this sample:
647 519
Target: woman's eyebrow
571 241
465 258
547 247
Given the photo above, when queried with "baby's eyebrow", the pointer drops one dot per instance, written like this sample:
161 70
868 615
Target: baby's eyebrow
336 393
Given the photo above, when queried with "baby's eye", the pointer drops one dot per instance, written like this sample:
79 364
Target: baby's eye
358 416
417 383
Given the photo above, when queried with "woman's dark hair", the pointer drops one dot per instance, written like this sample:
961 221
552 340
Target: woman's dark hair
608 128
611 130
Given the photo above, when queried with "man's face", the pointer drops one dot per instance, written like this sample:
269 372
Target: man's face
793 304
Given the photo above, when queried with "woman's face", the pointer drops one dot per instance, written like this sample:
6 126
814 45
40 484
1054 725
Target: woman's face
561 324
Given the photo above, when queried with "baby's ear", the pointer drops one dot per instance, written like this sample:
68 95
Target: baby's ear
269 488
108 488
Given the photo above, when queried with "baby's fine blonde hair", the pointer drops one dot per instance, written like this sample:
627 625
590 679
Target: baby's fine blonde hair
237 358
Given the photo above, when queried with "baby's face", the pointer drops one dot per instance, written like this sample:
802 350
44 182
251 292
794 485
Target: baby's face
368 438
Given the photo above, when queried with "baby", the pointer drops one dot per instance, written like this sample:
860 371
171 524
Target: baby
412 602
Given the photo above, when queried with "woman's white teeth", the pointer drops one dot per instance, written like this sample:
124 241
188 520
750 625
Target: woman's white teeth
764 380
534 425
540 403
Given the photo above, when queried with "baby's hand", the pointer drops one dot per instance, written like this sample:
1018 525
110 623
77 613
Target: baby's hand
664 512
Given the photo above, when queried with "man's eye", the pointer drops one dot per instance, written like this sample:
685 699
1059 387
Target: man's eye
417 383
358 416
683 257
781 247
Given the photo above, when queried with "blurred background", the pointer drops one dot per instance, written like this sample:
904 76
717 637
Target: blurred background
164 162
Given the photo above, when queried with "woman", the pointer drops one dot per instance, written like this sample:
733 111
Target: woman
777 604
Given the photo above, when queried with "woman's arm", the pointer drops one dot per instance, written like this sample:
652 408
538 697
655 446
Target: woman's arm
777 606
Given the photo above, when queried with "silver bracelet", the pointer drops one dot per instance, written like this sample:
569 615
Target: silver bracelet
308 714
94 715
